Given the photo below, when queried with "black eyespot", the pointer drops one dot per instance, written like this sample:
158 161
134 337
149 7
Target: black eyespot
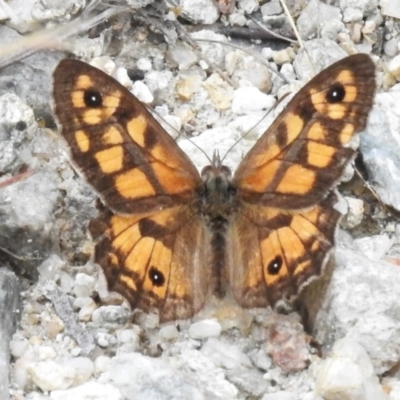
336 93
93 98
157 277
275 265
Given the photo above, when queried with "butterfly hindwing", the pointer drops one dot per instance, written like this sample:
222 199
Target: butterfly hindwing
272 253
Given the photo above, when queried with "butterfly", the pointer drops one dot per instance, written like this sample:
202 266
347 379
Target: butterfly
170 236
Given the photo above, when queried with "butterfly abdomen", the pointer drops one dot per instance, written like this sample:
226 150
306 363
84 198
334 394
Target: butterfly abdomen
217 199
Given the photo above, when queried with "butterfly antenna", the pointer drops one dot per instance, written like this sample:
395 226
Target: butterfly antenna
258 123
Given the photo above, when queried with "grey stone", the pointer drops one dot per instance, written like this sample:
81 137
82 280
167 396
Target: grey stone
9 316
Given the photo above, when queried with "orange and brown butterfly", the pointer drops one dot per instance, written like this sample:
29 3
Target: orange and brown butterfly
170 236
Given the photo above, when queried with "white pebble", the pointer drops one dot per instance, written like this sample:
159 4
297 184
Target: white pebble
169 332
105 339
225 355
18 346
248 99
144 64
89 390
84 285
101 364
281 395
60 374
205 329
121 75
142 92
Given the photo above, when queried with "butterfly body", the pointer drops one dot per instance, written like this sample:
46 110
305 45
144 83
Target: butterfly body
169 236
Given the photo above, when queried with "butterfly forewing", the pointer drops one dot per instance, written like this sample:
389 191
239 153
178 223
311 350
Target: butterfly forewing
122 150
302 155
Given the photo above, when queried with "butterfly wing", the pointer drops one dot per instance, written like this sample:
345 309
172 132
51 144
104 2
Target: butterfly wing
152 246
124 153
285 223
303 154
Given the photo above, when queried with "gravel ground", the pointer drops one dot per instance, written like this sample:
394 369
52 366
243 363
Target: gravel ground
207 69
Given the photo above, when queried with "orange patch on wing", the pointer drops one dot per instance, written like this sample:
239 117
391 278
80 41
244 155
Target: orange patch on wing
294 125
82 141
133 184
345 77
92 116
138 258
297 180
316 132
127 239
319 155
303 227
111 103
77 99
137 129
110 160
128 281
83 82
346 134
172 180
300 268
291 244
112 136
337 111
261 177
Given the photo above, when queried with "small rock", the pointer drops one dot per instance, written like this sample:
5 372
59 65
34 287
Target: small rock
144 64
104 339
169 332
283 56
220 91
199 11
355 212
205 329
287 344
393 67
142 92
9 312
250 72
141 377
382 161
273 7
315 16
60 374
187 86
348 374
281 395
110 316
128 340
89 390
250 99
390 8
181 55
84 285
101 364
360 286
225 355
248 6
374 247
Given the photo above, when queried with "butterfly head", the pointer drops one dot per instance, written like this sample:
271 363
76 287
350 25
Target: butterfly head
217 192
